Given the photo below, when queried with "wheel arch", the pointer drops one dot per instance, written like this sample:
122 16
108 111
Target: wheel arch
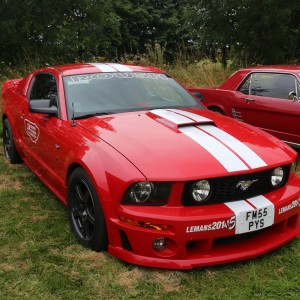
4 116
217 108
71 169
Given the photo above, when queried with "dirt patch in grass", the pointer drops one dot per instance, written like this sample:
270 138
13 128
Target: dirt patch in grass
129 279
7 183
169 280
79 255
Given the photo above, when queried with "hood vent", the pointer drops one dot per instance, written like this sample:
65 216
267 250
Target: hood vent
175 118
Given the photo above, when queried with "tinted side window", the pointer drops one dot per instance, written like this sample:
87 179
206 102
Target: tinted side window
44 87
272 85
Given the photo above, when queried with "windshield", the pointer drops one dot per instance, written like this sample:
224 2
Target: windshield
108 93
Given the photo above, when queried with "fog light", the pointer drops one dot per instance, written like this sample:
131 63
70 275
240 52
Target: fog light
159 244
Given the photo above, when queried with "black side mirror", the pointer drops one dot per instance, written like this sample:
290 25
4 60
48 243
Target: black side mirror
43 106
198 95
293 96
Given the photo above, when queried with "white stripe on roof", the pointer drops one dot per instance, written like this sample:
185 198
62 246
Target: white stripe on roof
103 67
120 68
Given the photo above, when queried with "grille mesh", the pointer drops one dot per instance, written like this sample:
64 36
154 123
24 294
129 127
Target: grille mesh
224 189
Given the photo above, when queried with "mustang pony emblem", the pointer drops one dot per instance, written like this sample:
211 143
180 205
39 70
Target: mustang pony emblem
245 184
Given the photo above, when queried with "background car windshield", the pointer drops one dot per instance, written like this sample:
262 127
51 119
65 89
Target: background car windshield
120 92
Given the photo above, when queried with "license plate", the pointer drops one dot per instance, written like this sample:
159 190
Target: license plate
252 214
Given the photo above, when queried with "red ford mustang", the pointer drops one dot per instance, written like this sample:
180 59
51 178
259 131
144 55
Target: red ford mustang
267 97
146 171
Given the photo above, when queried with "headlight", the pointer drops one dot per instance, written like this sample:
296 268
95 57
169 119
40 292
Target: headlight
141 191
277 176
148 193
200 191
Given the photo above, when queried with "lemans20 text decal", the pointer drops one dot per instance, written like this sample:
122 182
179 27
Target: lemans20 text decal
288 207
217 225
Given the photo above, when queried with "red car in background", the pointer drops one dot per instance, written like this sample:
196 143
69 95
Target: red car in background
267 97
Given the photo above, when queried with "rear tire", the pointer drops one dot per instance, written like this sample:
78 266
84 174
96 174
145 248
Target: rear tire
10 149
85 212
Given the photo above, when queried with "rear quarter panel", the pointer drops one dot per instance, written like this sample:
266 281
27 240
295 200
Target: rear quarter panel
219 98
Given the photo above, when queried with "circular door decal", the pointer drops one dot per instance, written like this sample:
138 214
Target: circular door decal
32 130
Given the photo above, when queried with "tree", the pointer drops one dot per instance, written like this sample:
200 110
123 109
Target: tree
265 30
76 29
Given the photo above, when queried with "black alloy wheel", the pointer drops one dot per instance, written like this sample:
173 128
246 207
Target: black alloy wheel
85 212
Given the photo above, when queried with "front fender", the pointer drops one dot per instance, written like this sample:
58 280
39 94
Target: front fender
109 170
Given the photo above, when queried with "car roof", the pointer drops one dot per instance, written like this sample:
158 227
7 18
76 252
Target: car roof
276 68
88 68
237 77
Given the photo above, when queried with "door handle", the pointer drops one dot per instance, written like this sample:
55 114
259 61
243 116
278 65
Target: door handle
248 100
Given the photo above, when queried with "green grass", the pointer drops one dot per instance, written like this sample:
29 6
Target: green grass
40 258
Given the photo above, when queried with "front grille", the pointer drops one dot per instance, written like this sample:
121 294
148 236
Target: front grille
224 189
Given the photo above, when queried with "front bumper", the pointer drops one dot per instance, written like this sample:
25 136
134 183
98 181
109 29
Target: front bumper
203 235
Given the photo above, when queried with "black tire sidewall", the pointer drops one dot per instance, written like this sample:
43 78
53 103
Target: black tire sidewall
14 156
99 240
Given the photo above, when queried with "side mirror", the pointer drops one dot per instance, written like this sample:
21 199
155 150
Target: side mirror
293 96
43 106
198 95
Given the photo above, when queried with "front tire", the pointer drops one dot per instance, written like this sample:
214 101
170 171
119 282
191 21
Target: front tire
10 149
85 212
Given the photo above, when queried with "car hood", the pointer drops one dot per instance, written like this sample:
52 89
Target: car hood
169 144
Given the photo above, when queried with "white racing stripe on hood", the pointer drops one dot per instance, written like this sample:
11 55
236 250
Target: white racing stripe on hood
171 116
226 157
244 152
120 68
195 117
229 151
103 67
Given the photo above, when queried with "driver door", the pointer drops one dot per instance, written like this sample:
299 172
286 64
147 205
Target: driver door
39 130
264 102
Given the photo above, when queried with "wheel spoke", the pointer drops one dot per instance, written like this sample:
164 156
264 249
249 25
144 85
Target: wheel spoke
76 213
83 210
78 194
87 229
86 197
90 218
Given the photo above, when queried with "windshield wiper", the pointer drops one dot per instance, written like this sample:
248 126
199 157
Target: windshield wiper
86 116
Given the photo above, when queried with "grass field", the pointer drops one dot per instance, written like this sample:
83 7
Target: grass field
40 258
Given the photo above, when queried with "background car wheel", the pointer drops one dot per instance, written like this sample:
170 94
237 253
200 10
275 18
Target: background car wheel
10 150
85 212
217 110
